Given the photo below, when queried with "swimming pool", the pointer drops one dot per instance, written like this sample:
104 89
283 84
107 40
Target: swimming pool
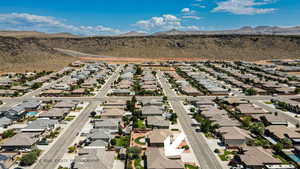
294 157
32 113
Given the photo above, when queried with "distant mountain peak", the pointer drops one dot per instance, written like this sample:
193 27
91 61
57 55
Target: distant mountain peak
133 33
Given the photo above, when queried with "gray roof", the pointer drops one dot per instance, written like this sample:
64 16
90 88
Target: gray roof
98 143
40 124
21 139
4 121
94 158
157 102
107 124
19 109
152 110
158 121
100 134
55 112
65 104
121 91
157 160
31 104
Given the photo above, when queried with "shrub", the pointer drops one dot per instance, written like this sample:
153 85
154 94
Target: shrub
186 147
217 151
29 158
72 149
8 133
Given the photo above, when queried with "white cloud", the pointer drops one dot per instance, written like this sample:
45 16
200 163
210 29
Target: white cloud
186 10
164 22
26 22
198 5
191 17
187 13
244 7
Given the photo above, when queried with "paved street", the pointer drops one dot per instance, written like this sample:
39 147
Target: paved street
290 118
50 159
204 155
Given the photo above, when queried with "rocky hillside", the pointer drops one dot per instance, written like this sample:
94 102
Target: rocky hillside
38 53
229 47
21 54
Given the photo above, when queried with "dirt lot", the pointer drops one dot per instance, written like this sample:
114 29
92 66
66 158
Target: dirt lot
125 60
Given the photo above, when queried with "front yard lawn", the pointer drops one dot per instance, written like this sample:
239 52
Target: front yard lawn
140 140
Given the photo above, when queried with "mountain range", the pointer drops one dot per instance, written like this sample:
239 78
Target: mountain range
30 50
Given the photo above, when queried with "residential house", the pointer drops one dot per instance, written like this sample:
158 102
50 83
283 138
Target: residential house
120 92
7 159
60 86
5 122
280 132
20 141
65 105
16 113
40 125
259 158
55 113
157 122
250 109
152 111
190 91
271 119
112 113
53 93
157 137
94 158
99 138
156 159
110 124
7 93
152 102
234 137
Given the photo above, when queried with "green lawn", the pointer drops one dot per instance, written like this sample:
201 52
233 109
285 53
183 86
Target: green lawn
141 124
122 141
138 140
224 156
69 118
188 166
268 103
137 163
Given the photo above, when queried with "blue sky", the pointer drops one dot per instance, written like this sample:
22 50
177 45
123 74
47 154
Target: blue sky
101 17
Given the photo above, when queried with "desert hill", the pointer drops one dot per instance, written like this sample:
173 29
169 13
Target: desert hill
27 53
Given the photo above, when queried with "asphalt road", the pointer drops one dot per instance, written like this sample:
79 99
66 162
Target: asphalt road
204 155
289 118
51 158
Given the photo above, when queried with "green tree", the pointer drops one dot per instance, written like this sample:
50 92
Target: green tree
297 90
134 152
139 70
286 142
278 147
93 114
173 118
8 133
29 158
165 99
71 149
258 128
250 92
36 85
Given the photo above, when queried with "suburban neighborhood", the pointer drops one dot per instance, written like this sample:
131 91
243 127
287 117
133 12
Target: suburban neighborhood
152 115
